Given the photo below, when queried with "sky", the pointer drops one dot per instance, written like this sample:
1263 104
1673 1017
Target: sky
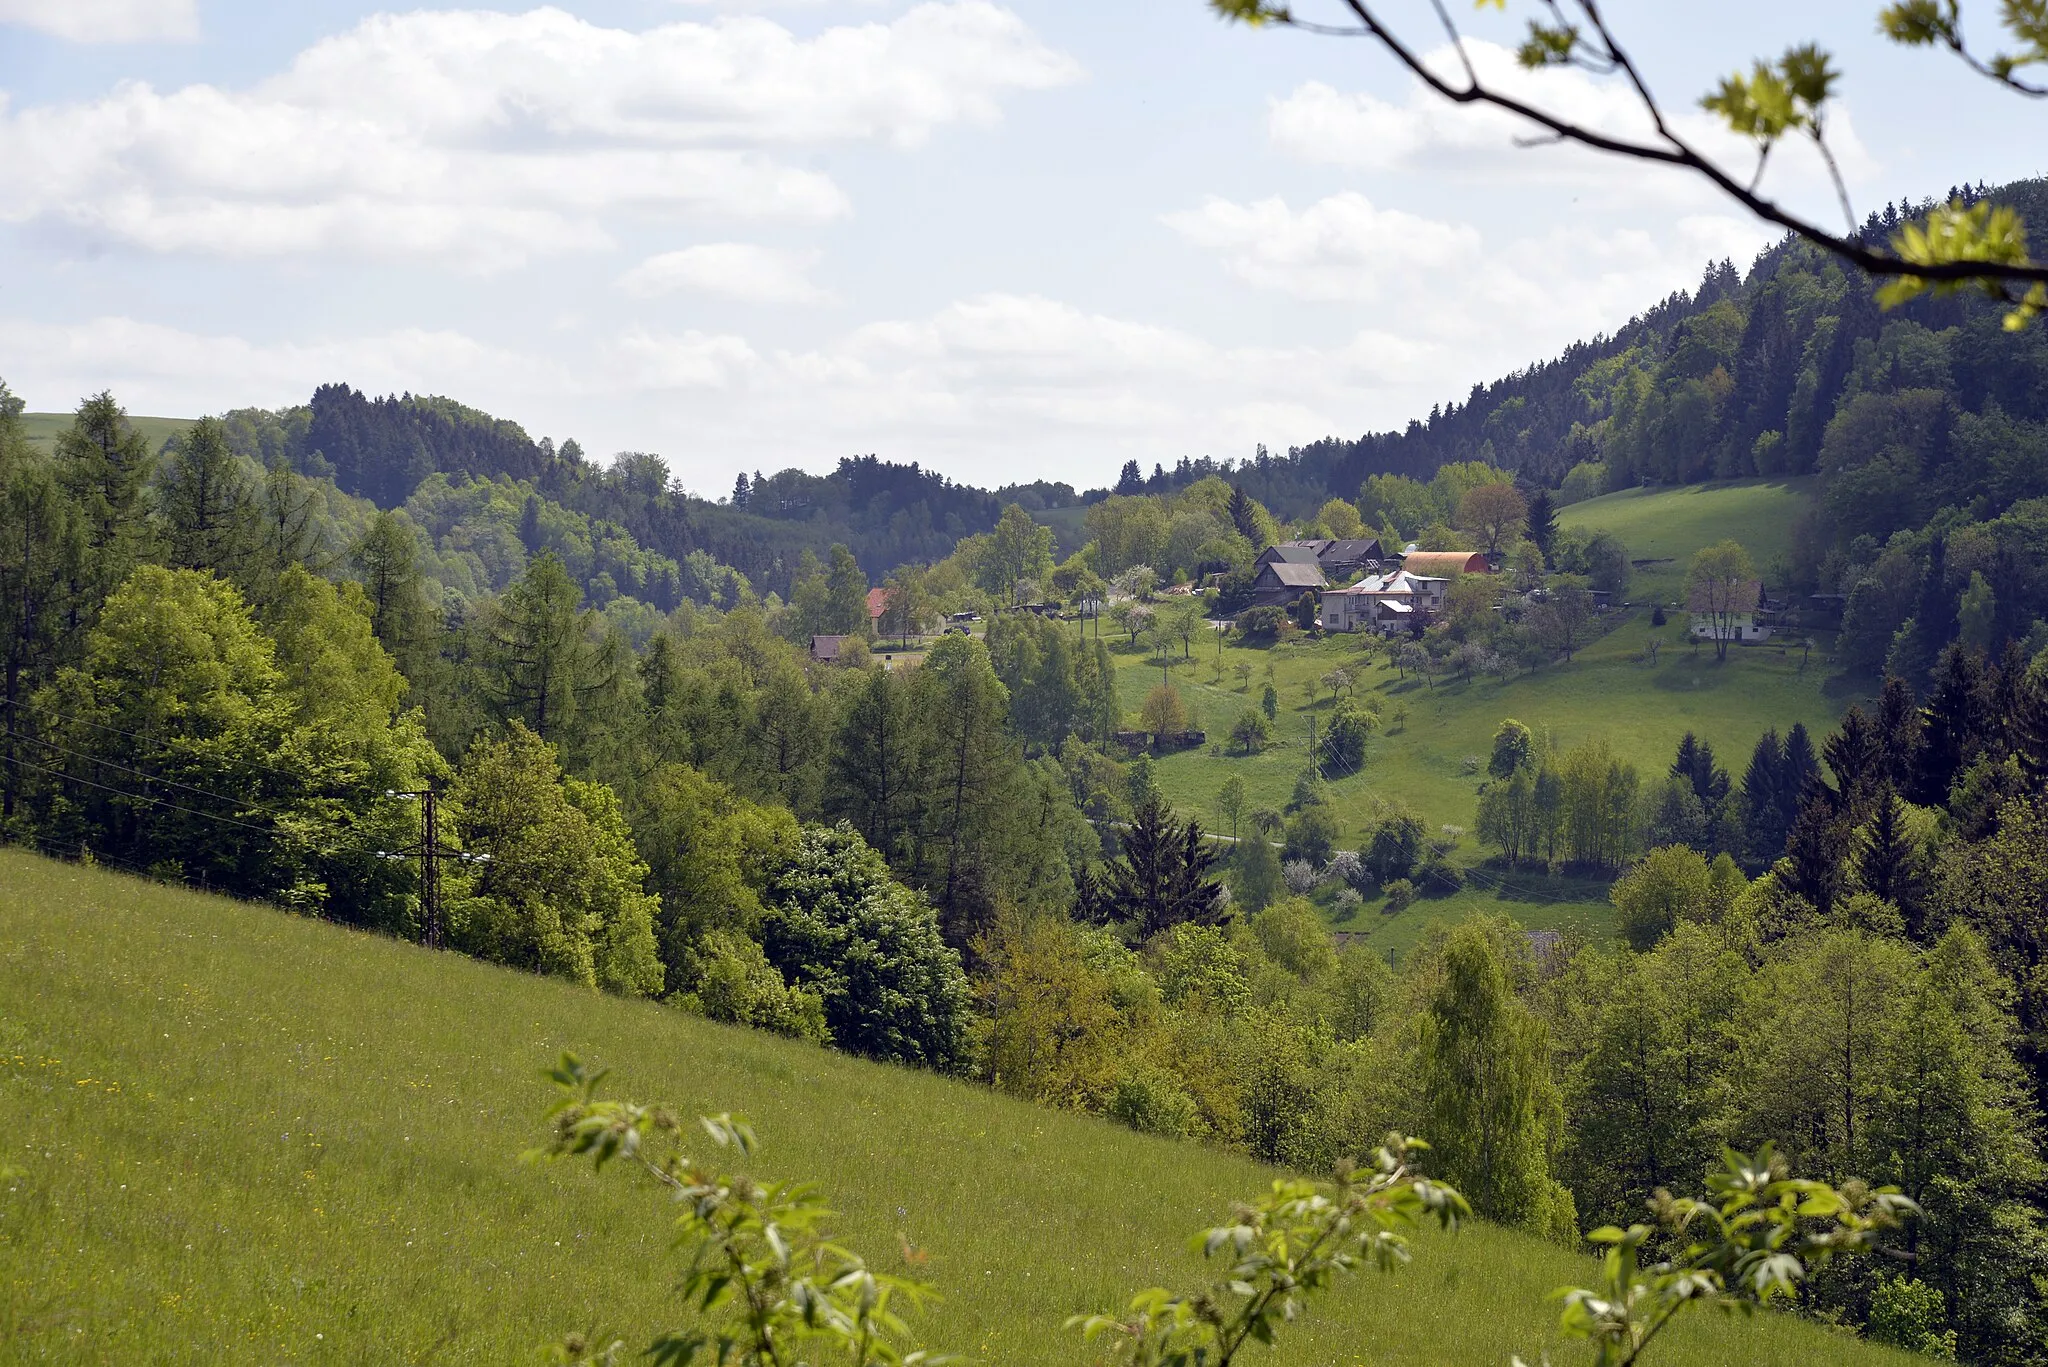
1012 241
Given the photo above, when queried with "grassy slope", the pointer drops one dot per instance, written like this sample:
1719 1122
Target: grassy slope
1669 524
42 428
1605 693
251 1136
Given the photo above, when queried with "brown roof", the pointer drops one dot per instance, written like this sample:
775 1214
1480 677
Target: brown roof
878 603
1445 562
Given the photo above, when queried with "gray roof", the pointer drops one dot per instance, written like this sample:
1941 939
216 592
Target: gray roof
1353 552
1289 553
1309 576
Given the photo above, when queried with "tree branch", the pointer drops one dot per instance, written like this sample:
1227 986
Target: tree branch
1674 151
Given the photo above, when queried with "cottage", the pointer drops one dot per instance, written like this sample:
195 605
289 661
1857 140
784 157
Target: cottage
878 604
1337 559
1386 603
1281 582
1288 553
1742 613
825 649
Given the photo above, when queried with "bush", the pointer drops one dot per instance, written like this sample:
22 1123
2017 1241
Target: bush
1151 1101
1908 1313
1348 868
1400 895
1657 617
739 986
1300 876
835 922
1261 626
1394 847
1347 904
1311 836
1439 877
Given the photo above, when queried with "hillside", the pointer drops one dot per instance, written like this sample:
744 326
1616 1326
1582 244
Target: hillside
41 429
254 1136
1663 526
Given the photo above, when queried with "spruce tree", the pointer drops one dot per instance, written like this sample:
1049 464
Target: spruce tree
1244 519
871 782
1953 726
1887 859
1856 757
1542 523
541 659
41 546
1162 878
1814 849
1899 731
104 465
1763 805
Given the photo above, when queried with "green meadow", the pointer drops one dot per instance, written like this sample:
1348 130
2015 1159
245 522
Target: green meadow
42 428
1664 526
244 1136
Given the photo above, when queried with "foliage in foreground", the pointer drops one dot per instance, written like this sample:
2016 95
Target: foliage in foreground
773 1288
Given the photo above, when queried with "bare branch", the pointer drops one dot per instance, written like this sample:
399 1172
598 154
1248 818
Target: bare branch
1669 149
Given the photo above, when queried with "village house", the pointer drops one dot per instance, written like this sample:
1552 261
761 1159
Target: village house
1337 559
1386 603
1757 621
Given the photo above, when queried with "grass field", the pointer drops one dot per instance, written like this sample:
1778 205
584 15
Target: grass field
42 428
250 1137
1666 525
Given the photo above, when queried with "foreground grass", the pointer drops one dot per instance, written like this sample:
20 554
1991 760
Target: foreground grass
246 1136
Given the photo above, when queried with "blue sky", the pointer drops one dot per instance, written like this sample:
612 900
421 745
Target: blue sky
1010 240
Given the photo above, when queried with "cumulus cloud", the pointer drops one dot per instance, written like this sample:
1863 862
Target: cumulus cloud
1423 131
105 21
735 270
491 138
1508 300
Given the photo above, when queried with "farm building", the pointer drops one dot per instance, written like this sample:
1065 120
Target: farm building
1281 582
1446 563
1336 559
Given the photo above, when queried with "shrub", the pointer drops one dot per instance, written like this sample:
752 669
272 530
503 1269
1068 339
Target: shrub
1348 902
1657 617
739 986
1151 1101
1261 626
1300 876
1311 835
1349 869
1439 877
1400 895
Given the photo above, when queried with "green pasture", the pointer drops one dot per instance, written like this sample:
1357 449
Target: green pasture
42 428
1666 525
243 1136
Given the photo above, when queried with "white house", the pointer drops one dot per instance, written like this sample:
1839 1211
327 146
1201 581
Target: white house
1757 621
1386 603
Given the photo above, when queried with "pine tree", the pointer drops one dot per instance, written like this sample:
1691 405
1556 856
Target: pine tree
872 782
41 545
1814 850
542 661
1244 519
742 492
1695 764
1855 755
104 465
1899 732
1131 481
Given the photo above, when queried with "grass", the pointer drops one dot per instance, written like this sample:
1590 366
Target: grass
1664 526
42 428
248 1136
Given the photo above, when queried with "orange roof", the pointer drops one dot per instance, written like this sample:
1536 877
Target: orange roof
878 603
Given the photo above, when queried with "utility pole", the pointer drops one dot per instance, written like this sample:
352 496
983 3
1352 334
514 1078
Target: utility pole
430 852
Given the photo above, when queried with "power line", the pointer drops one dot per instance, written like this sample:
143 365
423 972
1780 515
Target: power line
138 797
133 735
145 775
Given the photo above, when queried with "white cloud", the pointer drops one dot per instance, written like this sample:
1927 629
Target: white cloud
1454 299
1422 131
488 138
1337 248
105 21
736 270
